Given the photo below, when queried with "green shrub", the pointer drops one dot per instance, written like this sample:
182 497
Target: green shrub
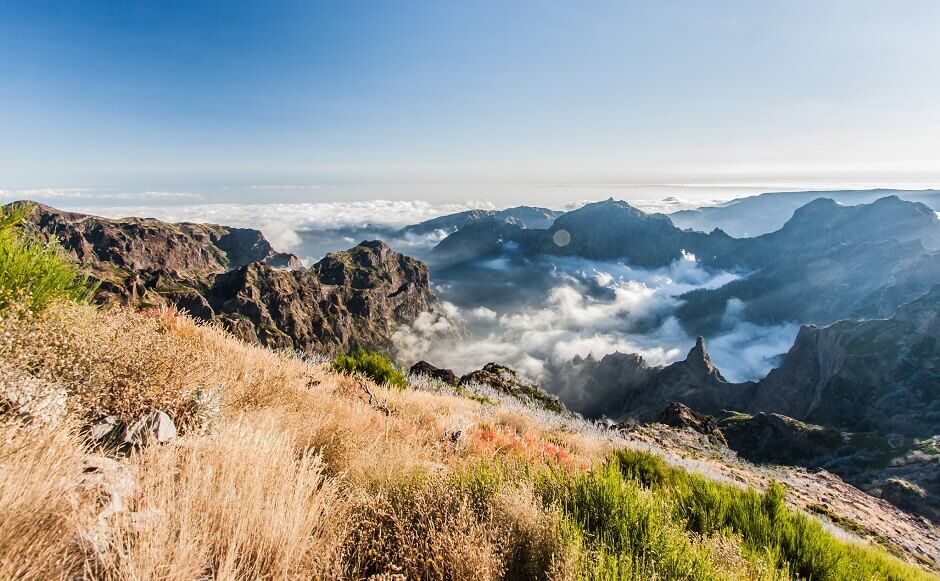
794 542
637 517
372 365
34 273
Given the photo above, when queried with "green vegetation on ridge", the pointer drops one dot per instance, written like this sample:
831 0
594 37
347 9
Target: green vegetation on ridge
34 273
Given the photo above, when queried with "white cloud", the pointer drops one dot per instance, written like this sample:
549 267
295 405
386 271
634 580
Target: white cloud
283 223
594 308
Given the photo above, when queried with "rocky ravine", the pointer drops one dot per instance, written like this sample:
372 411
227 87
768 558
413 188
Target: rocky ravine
234 277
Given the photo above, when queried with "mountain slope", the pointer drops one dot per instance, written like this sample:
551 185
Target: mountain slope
348 299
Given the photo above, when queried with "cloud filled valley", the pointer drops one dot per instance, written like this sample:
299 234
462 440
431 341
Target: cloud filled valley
538 315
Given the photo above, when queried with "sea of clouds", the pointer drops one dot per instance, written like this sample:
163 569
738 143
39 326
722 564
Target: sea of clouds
307 228
581 308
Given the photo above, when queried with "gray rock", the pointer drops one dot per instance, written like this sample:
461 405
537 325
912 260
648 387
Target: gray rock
29 397
104 429
111 481
112 485
155 427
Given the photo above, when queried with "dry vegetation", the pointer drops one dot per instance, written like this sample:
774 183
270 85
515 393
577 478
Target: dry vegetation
298 472
297 475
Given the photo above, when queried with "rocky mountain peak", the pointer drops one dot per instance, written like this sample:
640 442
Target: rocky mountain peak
348 299
699 361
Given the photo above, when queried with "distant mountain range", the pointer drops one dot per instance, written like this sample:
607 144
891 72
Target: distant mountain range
524 216
861 398
756 215
826 263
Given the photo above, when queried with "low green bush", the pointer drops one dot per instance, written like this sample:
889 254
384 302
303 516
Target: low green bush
794 542
33 273
637 517
372 365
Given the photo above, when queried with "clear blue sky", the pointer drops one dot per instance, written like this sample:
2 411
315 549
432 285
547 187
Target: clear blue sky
463 100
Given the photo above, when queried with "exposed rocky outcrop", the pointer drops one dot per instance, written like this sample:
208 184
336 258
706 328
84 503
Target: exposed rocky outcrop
680 415
624 385
425 369
348 299
153 427
496 377
506 380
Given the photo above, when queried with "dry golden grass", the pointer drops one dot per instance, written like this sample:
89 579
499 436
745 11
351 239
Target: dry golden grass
41 506
237 504
298 455
302 473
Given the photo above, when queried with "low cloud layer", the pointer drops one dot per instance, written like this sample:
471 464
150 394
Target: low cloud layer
583 308
309 229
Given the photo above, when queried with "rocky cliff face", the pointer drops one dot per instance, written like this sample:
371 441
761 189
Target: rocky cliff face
348 299
233 276
873 375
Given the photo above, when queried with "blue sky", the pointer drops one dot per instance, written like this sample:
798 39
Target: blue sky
505 101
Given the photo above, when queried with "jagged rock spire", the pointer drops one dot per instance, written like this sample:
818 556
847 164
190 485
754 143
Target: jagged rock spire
699 361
